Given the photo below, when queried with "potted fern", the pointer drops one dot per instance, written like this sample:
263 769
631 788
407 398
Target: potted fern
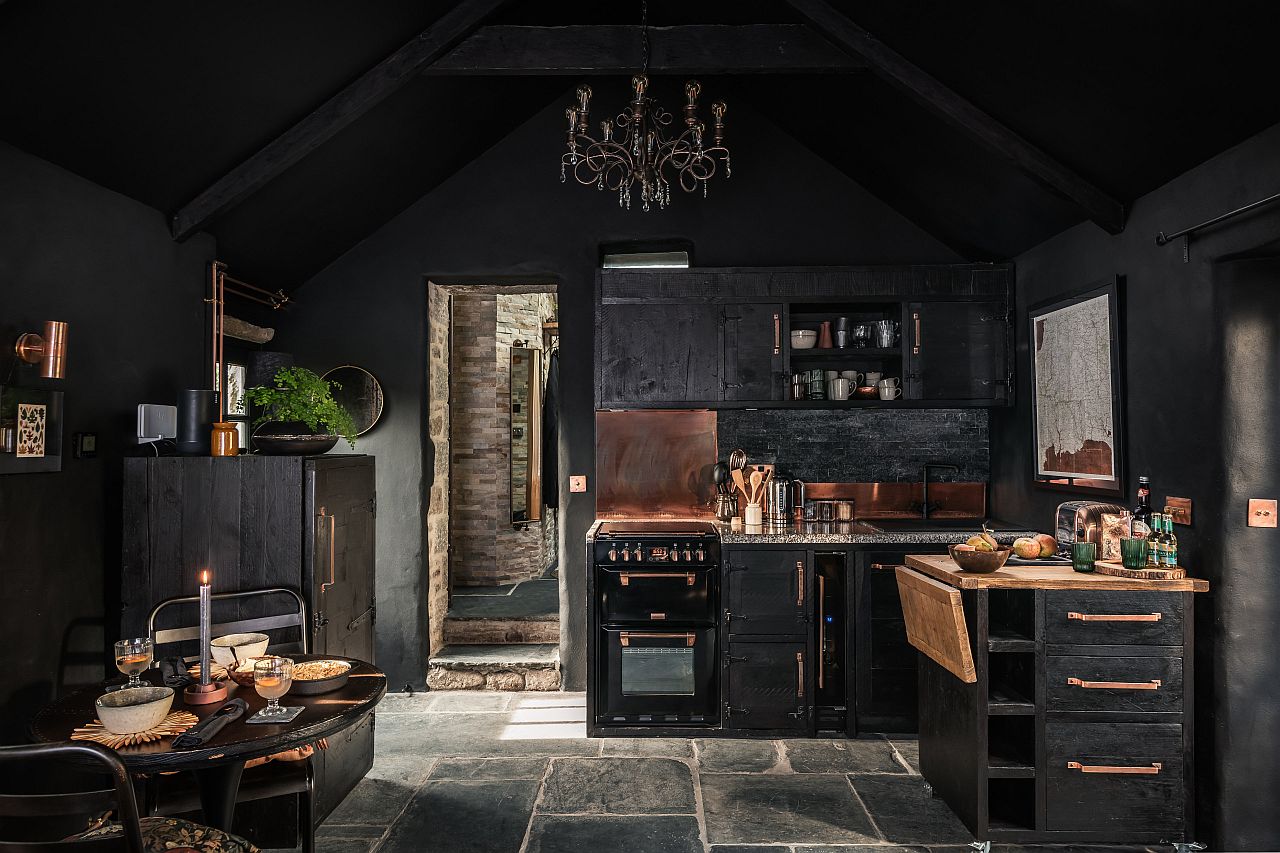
299 415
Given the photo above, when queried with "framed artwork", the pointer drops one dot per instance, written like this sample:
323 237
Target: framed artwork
1076 393
30 430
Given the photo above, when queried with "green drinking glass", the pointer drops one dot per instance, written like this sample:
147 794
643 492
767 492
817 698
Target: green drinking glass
1133 553
1083 555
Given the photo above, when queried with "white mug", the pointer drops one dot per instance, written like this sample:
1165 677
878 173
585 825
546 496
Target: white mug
889 382
839 388
872 377
852 375
832 374
889 392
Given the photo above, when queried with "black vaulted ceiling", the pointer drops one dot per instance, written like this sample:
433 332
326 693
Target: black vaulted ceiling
157 100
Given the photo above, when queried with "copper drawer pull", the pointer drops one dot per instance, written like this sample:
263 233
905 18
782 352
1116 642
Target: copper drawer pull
879 566
1114 617
799 675
1153 684
916 317
333 535
1108 768
799 583
625 637
777 334
626 577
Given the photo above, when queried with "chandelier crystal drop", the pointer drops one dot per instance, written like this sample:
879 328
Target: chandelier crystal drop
638 146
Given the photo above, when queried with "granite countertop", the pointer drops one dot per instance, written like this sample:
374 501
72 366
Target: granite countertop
862 533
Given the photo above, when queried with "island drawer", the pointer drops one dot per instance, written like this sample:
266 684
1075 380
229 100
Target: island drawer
1115 777
1113 618
1116 684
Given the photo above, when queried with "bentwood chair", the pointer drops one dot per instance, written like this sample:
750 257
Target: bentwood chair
267 781
27 814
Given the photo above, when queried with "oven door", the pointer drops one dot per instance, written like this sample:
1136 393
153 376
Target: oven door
655 595
657 677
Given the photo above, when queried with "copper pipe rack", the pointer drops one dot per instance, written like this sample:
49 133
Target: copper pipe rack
275 299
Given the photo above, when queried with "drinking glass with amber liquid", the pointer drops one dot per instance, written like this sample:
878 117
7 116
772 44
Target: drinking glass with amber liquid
272 678
133 657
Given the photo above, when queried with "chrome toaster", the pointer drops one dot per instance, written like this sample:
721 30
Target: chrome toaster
1086 515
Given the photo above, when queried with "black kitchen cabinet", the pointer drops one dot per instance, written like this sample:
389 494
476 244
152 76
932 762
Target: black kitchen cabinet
753 351
767 684
768 592
959 351
663 352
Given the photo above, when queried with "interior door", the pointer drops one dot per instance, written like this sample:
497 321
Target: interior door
341 585
753 352
959 351
769 592
768 685
661 352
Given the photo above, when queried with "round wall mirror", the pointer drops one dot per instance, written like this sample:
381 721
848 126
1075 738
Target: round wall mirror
360 394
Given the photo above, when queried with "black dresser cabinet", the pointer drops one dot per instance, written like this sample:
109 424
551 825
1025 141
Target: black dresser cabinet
304 523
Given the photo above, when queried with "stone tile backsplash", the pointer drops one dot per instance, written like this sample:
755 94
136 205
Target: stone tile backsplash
861 445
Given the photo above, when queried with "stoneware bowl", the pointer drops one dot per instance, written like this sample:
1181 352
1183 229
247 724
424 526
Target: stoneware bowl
134 709
804 339
980 562
237 647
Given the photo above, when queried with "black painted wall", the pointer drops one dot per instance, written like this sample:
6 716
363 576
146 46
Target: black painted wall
1202 352
507 217
861 446
71 250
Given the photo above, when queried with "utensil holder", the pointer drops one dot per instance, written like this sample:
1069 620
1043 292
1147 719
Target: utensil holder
753 515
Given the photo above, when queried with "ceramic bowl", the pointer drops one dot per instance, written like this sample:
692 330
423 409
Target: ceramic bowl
237 647
867 392
134 709
804 339
980 562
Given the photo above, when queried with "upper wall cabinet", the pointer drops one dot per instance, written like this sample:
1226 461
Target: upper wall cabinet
721 338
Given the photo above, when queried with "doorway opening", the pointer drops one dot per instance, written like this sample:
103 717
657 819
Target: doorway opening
492 526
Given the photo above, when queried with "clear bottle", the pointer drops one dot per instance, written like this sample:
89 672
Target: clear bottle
1155 542
1170 543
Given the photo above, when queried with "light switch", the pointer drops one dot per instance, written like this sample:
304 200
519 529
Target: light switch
578 483
1262 513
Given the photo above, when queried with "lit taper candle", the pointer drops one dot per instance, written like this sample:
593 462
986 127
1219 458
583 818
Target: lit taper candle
205 608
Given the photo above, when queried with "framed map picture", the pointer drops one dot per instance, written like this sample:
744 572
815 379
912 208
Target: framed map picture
1076 399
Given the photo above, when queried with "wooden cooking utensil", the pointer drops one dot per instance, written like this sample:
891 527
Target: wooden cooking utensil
741 483
757 485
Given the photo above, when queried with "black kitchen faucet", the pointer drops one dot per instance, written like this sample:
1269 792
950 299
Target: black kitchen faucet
924 498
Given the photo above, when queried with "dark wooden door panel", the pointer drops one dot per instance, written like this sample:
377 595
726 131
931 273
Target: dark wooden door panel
659 353
959 351
767 685
753 351
768 592
341 583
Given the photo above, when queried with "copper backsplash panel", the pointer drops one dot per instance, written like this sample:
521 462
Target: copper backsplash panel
655 463
902 500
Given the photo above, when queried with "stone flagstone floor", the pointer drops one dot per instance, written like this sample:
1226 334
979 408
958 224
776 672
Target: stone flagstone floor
469 772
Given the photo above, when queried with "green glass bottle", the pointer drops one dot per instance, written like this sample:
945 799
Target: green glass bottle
1155 543
1170 543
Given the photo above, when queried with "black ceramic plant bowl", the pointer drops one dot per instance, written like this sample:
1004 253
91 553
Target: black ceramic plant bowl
291 438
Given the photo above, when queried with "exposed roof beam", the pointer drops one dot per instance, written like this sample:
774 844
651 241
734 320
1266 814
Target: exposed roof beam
334 114
1100 207
693 49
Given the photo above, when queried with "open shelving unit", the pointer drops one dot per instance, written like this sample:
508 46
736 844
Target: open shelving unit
890 361
1010 677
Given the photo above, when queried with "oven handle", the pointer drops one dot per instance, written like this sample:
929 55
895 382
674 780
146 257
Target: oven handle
625 637
625 577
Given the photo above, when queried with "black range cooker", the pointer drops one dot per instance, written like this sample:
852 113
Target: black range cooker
655 590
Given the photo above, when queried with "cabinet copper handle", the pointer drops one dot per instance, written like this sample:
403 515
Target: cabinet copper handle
625 577
799 583
333 531
1109 768
1153 684
1114 617
915 316
777 334
625 637
880 566
822 627
799 675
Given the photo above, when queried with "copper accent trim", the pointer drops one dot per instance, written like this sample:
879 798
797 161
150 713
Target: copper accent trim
799 583
777 334
48 350
1179 509
1114 617
1153 684
902 500
915 316
655 464
657 617
333 535
1152 770
625 577
625 637
799 675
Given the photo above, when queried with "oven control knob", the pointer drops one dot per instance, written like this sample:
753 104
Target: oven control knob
687 555
700 555
613 555
638 554
675 555
626 555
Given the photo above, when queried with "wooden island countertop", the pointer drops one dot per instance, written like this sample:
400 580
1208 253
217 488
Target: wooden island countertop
943 568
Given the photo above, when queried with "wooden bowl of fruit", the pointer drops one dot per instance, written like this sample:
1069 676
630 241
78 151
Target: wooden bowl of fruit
980 554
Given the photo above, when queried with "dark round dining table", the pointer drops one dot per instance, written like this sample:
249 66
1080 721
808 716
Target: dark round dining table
219 763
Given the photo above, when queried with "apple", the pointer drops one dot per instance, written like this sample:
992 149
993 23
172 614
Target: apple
967 548
980 542
1048 545
1026 548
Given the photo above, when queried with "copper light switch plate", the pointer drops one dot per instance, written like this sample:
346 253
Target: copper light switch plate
1179 509
1262 513
578 483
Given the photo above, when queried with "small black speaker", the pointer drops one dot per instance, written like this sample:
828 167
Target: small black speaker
196 410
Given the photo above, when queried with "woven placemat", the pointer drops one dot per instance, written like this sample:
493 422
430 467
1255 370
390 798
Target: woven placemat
174 724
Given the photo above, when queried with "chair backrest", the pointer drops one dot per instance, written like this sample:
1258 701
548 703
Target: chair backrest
296 616
49 806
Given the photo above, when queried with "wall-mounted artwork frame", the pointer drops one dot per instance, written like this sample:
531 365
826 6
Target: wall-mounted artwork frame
30 422
1077 393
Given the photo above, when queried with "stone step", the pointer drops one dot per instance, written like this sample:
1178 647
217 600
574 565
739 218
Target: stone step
499 631
514 666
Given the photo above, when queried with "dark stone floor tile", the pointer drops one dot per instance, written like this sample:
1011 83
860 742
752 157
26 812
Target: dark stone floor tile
618 786
373 801
858 848
464 817
491 735
349 832
646 747
638 834
784 809
725 755
346 845
481 769
862 755
910 752
468 701
757 848
906 813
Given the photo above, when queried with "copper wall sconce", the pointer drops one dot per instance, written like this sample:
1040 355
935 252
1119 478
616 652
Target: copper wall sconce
48 350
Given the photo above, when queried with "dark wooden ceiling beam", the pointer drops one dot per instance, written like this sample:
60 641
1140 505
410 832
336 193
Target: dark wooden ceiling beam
1100 207
333 115
691 49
